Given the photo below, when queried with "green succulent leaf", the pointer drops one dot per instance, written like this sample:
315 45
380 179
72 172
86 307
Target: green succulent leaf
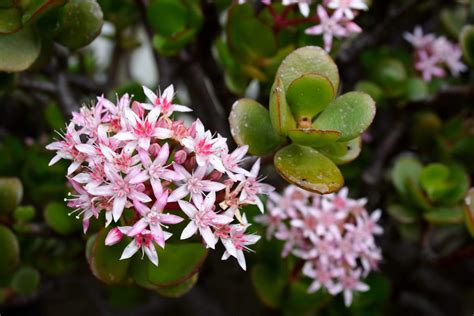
374 300
175 291
444 184
5 4
308 168
404 215
26 281
54 116
313 137
269 283
343 152
469 211
57 217
371 88
350 114
389 72
250 125
280 114
446 215
169 46
10 20
308 59
104 261
310 94
11 193
10 257
415 89
459 184
19 50
178 263
24 213
300 302
415 196
33 10
80 21
466 38
406 167
167 17
454 19
433 179
248 36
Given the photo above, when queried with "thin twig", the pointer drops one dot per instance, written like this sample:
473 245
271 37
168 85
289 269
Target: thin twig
458 256
85 83
39 86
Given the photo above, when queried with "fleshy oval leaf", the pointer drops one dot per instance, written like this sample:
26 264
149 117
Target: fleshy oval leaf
250 125
167 17
308 169
57 217
466 39
10 251
80 21
280 114
11 193
308 95
469 211
177 264
19 50
178 290
308 59
269 283
25 281
10 20
406 167
342 153
445 215
313 137
104 261
351 114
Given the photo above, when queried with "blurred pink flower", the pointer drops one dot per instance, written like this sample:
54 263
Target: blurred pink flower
333 234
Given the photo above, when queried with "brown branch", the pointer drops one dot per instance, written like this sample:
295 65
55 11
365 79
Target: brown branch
457 256
39 86
85 83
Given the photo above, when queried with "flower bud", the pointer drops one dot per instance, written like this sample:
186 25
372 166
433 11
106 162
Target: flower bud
114 236
180 156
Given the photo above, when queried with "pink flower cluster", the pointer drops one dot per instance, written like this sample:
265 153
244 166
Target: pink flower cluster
333 234
337 23
136 156
433 54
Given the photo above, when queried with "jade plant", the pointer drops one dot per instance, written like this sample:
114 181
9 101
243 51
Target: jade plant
28 29
432 193
309 129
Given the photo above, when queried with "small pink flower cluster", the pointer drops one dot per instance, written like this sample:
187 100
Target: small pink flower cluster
339 23
433 53
133 155
333 234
